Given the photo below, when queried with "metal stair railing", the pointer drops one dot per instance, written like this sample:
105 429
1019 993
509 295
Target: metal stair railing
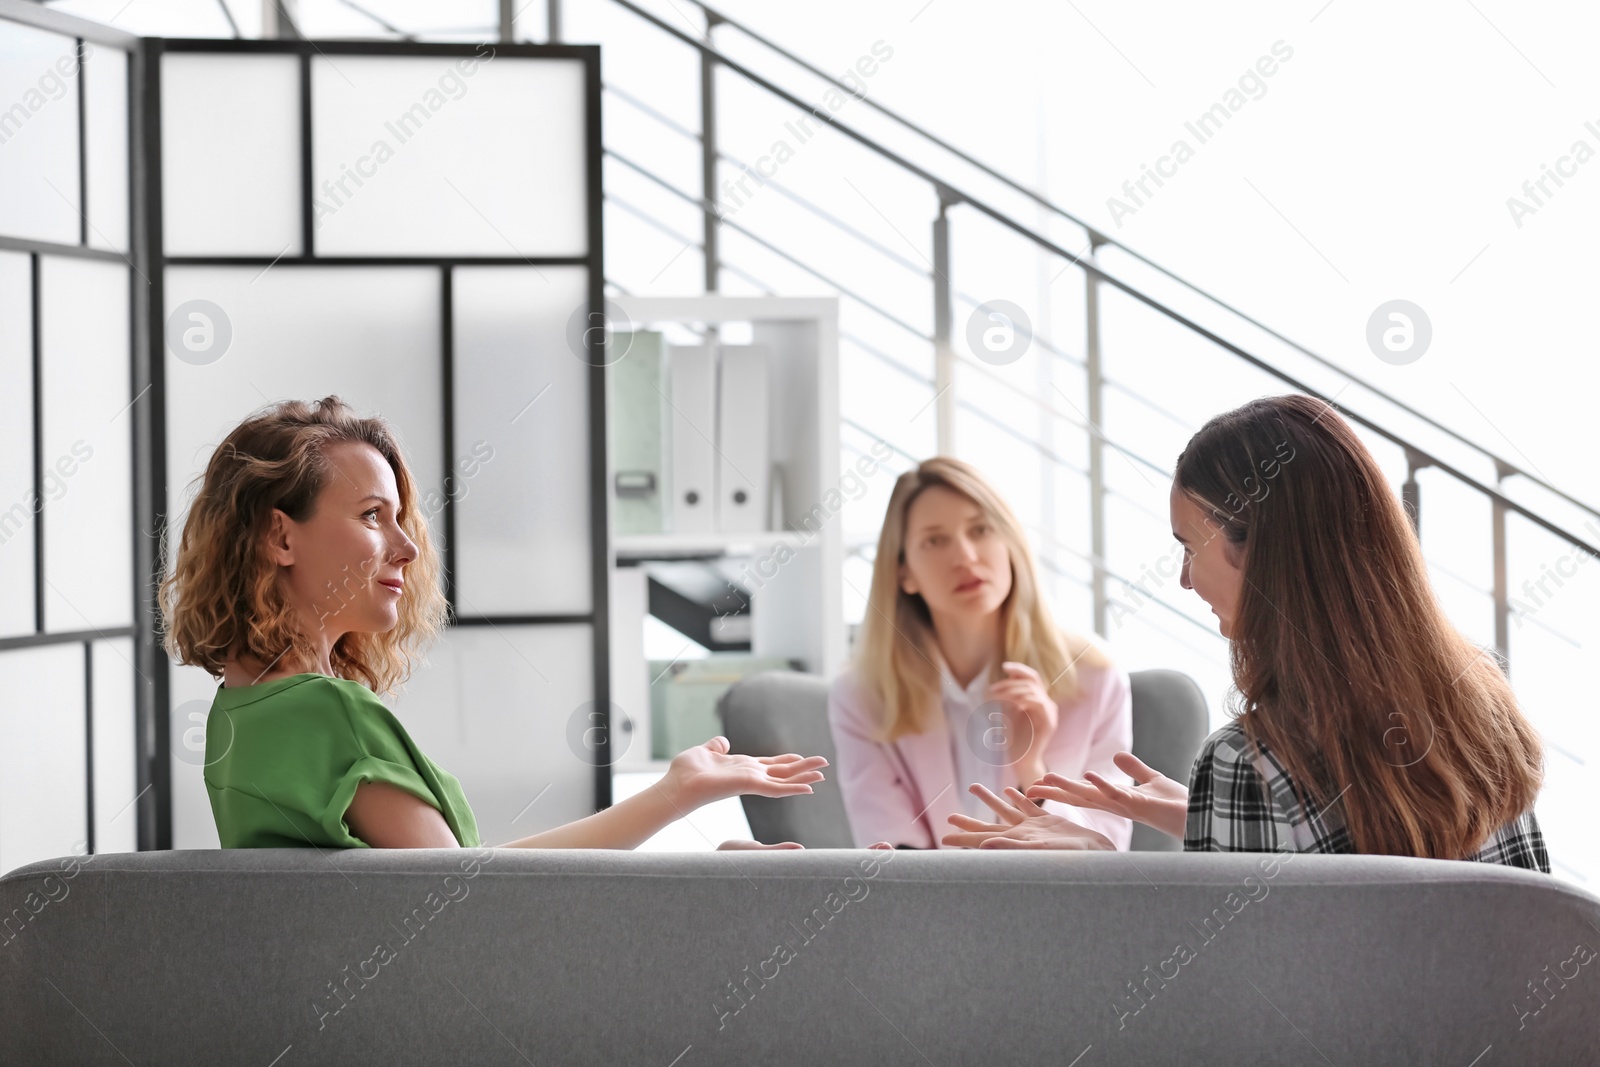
1096 275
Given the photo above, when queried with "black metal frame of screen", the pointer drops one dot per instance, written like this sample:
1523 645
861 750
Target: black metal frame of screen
150 491
79 31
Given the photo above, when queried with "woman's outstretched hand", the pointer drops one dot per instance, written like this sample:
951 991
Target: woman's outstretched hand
1153 799
1023 824
707 772
741 845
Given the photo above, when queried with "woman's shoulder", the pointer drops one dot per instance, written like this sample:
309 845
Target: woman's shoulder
298 688
1228 743
847 689
1103 673
1100 682
850 699
309 700
365 712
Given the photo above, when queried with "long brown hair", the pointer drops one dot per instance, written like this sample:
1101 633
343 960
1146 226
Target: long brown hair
221 598
897 646
1347 669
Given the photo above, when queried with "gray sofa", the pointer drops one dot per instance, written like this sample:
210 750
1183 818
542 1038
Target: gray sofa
282 958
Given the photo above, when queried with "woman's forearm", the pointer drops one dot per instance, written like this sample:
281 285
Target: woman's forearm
626 824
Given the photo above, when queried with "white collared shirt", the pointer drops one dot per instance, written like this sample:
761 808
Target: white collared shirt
978 750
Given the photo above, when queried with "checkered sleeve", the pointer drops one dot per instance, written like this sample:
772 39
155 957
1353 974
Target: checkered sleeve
1230 807
1519 843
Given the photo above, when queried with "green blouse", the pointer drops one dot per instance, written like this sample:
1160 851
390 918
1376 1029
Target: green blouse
284 758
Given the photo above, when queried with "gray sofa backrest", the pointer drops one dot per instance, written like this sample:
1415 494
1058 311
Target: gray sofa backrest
296 957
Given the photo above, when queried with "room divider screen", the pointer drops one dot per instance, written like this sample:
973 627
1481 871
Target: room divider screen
69 763
196 229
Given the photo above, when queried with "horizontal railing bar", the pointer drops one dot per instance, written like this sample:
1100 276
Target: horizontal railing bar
782 190
872 350
858 427
661 117
1093 431
774 249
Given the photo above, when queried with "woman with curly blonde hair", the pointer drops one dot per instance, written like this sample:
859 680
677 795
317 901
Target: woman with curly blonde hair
305 580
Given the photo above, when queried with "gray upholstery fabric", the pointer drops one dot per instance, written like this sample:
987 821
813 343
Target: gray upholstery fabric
772 713
588 957
783 711
1170 723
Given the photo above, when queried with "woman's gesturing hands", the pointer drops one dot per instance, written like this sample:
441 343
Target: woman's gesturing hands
1035 716
707 772
1153 799
1023 824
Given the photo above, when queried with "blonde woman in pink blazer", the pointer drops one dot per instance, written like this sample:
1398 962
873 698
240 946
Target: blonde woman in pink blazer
962 684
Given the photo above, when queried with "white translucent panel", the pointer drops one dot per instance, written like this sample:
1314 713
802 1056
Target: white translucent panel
494 707
230 154
88 444
105 108
116 816
16 445
370 335
43 793
444 156
39 193
191 692
520 479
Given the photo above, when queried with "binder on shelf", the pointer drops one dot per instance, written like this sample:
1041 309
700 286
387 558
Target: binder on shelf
692 372
640 488
743 455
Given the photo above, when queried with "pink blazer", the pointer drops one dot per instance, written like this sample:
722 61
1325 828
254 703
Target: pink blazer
905 791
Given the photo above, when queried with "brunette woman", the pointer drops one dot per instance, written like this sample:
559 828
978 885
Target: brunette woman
1366 721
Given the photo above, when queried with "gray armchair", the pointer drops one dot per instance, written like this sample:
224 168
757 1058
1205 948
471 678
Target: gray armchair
784 711
1170 722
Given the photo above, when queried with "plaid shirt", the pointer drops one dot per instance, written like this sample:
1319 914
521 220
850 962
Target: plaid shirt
1241 800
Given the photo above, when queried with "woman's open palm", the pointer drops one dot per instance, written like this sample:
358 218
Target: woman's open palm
1022 824
709 772
1153 799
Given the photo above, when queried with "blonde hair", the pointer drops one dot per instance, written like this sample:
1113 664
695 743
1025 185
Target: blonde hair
222 598
896 647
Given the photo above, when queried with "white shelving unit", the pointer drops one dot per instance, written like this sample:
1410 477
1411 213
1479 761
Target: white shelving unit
674 546
793 574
